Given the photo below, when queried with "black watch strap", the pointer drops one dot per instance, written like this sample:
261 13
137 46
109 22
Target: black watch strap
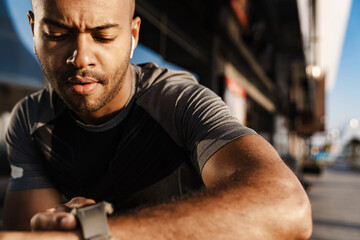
93 220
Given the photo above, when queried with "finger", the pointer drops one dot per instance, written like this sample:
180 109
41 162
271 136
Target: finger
47 221
79 202
68 222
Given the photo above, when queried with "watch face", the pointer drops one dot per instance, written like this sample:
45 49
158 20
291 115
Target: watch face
93 220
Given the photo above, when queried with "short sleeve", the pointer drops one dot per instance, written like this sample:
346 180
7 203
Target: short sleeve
205 123
194 116
23 156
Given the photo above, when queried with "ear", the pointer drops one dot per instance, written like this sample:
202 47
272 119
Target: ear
135 30
31 18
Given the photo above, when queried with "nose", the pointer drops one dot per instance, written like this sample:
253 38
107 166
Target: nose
82 56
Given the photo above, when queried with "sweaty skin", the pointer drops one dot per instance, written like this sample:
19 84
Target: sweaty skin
84 48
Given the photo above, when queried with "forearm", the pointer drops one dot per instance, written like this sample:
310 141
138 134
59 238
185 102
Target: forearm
242 211
239 212
20 206
40 236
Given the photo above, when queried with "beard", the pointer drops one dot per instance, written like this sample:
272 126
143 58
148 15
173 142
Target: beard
109 83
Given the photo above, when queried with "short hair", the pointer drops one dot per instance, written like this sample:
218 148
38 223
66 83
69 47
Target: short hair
131 2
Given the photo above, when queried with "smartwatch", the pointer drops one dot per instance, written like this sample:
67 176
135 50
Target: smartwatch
93 220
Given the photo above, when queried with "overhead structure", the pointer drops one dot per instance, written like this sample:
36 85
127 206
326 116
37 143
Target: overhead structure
323 26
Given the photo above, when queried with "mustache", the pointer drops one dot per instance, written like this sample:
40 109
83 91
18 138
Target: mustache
84 73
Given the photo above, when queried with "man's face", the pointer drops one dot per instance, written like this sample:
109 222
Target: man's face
84 48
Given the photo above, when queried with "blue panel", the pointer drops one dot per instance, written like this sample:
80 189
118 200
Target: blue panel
16 63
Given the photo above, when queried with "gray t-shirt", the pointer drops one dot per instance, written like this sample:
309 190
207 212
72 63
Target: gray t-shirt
154 149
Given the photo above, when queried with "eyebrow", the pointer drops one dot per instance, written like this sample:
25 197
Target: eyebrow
61 25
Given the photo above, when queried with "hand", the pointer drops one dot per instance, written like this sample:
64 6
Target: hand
59 217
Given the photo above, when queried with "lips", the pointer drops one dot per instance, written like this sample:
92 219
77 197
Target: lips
83 86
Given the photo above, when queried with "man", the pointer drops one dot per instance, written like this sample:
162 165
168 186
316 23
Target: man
145 139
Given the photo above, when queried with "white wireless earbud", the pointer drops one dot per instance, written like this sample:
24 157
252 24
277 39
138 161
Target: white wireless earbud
132 46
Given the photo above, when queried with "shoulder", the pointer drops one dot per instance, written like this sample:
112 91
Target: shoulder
35 109
157 86
150 75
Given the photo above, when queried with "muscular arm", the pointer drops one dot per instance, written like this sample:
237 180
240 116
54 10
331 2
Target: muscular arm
20 206
252 195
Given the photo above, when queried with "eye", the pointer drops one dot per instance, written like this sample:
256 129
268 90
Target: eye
56 36
103 39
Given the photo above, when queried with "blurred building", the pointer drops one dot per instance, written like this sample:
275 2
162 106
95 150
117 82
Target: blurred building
249 52
323 27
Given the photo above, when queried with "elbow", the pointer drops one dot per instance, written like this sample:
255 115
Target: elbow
294 220
305 221
302 228
302 219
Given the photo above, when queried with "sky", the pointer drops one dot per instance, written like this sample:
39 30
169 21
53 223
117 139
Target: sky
341 101
17 10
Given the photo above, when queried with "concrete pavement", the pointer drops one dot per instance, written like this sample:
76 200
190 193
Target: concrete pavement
335 199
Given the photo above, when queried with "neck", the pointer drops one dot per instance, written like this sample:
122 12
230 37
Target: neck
112 108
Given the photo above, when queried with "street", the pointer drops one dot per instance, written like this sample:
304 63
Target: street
335 199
